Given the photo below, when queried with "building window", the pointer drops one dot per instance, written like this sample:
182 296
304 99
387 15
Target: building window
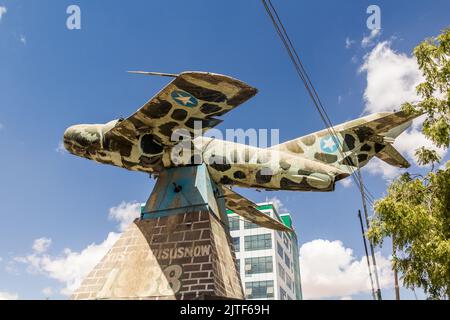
234 223
250 225
258 242
283 294
289 282
287 261
280 250
286 240
259 289
236 244
258 265
238 265
281 272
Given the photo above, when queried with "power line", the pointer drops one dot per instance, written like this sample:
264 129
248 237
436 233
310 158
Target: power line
298 65
301 70
374 261
367 254
366 195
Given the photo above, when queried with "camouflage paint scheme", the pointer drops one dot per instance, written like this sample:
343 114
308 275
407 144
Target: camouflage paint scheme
142 142
249 210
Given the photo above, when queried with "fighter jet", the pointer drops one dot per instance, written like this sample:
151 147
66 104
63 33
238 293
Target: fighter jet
149 141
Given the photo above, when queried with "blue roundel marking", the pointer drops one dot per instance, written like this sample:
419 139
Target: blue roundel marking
184 99
329 144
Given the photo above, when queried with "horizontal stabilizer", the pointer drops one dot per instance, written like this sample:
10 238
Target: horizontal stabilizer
353 143
391 156
248 210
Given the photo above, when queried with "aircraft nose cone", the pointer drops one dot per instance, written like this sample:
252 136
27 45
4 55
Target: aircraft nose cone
82 140
70 137
79 138
69 132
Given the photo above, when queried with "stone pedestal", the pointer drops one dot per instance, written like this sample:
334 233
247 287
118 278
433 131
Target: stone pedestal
172 252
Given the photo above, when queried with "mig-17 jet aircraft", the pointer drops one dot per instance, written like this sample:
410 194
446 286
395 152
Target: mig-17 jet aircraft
193 101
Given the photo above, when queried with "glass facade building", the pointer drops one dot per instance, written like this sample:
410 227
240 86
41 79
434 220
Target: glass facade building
266 259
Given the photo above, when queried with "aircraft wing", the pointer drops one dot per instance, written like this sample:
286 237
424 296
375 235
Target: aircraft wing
248 210
190 97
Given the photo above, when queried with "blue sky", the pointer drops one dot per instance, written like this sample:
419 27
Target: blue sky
52 77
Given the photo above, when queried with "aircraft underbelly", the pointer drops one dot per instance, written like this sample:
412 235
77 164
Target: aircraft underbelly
242 165
264 177
265 169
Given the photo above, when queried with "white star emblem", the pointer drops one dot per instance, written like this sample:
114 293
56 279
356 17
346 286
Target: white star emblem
329 143
184 100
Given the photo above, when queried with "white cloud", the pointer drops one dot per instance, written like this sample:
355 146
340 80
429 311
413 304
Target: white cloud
392 78
277 203
378 167
70 267
409 141
443 166
368 41
347 182
60 148
47 292
7 295
348 42
41 245
125 213
2 12
23 39
329 270
10 267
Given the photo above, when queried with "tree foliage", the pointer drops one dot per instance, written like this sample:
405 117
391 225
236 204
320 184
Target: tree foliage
416 210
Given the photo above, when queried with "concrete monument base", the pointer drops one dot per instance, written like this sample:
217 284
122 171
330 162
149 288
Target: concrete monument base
171 253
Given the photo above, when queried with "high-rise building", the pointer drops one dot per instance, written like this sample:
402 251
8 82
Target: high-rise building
267 259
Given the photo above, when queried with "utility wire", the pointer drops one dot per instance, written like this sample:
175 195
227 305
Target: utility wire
302 72
374 261
295 58
367 255
366 195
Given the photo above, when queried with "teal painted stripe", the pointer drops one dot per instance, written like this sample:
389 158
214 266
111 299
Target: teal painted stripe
170 212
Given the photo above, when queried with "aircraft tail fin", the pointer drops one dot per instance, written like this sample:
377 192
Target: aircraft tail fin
359 141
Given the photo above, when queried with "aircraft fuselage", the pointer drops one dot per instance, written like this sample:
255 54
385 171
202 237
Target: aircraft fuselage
228 162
